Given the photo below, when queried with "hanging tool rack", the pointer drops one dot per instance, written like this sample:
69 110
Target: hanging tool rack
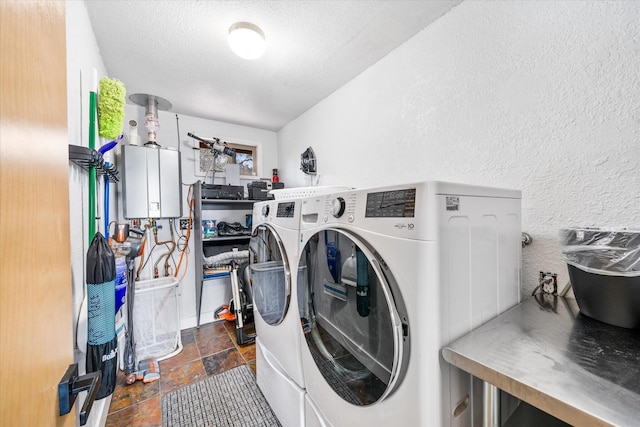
86 157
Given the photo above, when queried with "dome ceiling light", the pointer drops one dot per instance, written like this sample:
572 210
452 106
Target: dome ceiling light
246 40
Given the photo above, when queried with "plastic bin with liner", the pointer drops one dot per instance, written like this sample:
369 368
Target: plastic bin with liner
604 269
267 297
157 319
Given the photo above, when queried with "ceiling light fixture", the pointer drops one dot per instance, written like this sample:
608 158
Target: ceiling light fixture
246 40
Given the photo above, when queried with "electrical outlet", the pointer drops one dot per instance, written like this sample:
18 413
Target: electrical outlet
184 224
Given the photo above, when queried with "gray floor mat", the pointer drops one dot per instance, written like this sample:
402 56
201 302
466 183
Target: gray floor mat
229 399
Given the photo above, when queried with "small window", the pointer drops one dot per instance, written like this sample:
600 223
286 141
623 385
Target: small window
246 156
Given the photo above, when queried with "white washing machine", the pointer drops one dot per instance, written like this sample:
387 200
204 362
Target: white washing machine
273 253
392 275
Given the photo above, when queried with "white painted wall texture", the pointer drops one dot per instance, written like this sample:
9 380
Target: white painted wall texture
543 97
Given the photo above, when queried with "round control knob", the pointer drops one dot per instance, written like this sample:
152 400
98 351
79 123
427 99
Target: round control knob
265 210
337 207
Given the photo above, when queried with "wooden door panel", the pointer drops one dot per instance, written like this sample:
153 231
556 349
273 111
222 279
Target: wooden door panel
35 279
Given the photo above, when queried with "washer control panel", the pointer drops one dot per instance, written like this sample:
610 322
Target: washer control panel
286 210
340 206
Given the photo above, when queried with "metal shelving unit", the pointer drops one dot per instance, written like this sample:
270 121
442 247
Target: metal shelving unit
199 243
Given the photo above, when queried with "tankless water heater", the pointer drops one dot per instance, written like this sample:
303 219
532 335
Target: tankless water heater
151 180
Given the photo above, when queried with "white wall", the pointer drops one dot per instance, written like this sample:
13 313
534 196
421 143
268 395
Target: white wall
218 291
84 65
538 96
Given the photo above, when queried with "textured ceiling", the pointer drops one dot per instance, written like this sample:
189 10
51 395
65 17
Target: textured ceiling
177 50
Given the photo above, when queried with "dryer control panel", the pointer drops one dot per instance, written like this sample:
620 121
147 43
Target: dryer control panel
391 204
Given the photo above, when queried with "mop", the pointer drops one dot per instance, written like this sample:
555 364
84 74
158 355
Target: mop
110 120
111 108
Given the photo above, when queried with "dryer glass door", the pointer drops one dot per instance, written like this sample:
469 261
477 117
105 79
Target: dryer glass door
352 317
270 275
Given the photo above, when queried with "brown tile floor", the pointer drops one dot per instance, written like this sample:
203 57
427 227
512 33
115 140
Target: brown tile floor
207 351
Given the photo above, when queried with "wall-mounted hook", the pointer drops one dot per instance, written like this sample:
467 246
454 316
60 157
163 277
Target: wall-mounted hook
71 384
526 239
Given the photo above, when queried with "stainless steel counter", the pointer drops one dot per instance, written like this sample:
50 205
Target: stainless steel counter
582 371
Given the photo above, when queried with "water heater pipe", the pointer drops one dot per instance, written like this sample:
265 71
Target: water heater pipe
152 104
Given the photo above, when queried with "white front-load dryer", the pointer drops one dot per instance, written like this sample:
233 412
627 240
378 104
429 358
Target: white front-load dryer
392 275
273 254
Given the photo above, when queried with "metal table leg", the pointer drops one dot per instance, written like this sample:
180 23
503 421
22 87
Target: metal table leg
490 405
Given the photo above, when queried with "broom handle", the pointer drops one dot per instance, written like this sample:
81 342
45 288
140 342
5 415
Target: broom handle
92 169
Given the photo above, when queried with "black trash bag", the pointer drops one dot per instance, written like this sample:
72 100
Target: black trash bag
102 343
101 263
104 358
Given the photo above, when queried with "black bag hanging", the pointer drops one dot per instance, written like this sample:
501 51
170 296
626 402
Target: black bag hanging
102 343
